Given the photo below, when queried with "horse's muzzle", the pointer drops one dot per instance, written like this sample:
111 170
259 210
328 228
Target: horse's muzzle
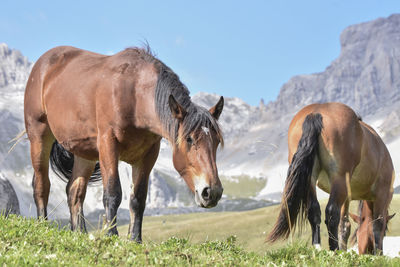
208 197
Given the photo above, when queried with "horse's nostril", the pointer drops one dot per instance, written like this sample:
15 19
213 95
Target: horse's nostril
206 193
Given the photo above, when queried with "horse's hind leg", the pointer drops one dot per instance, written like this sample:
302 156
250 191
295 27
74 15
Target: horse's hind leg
41 140
332 212
76 191
344 226
314 217
112 192
140 179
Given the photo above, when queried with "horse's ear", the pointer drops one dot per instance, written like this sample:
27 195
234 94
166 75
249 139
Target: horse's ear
391 216
217 109
355 218
177 110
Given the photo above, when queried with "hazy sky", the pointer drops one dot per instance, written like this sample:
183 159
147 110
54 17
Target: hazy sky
247 49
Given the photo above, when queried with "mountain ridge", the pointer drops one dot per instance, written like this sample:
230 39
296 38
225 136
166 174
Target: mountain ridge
367 50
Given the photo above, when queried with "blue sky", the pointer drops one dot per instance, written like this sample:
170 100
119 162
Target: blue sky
245 49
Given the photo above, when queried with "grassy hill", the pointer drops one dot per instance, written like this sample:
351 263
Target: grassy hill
216 239
31 242
249 227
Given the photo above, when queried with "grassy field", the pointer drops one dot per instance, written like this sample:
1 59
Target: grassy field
249 227
216 239
30 242
233 186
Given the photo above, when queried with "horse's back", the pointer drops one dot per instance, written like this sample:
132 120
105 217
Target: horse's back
66 79
48 67
341 128
78 65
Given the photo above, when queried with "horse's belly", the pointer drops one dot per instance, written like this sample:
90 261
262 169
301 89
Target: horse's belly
78 137
362 183
85 148
323 182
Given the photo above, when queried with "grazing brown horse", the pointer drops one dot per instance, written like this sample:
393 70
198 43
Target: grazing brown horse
331 147
82 107
364 233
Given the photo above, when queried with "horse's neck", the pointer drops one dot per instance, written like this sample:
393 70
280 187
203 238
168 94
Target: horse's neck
149 120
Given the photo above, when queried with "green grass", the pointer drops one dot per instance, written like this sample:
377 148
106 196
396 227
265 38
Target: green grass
212 239
27 242
250 227
233 186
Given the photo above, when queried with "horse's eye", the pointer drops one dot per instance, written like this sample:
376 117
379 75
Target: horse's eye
189 140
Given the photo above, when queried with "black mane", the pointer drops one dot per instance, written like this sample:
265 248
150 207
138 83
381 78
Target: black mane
169 84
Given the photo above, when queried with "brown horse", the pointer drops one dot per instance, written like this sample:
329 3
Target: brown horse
331 147
364 233
82 107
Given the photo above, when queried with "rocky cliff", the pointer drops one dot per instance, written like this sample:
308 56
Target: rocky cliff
365 76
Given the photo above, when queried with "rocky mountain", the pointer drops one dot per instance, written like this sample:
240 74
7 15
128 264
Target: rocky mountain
8 198
14 71
365 76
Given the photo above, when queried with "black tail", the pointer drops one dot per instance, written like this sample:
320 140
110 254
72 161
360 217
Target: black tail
297 185
62 161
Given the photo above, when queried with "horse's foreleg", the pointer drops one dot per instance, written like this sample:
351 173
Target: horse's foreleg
76 191
314 217
112 192
344 226
140 179
137 202
378 227
380 206
40 153
332 212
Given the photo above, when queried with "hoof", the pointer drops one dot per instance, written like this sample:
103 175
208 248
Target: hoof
136 239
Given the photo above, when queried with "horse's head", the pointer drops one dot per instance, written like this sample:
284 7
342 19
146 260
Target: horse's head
364 233
194 153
